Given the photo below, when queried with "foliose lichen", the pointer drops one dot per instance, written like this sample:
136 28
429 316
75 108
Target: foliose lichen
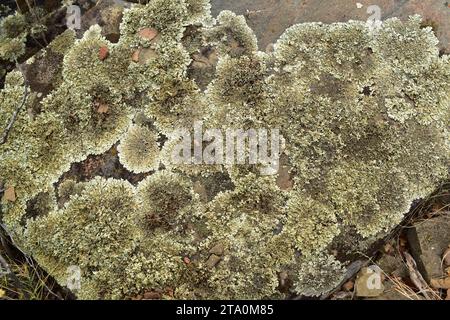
364 115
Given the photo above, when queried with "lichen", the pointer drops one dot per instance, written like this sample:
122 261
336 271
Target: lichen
318 275
364 115
139 149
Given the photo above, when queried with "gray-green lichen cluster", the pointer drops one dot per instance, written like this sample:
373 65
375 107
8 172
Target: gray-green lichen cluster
364 115
14 30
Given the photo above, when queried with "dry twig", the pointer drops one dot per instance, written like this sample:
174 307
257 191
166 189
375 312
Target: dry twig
19 107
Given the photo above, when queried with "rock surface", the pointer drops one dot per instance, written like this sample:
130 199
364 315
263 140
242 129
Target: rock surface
269 18
429 240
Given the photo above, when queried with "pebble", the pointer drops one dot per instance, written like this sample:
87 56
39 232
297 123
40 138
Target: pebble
212 261
148 33
103 52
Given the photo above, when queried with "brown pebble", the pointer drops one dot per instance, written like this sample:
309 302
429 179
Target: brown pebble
103 52
10 194
212 261
148 33
135 56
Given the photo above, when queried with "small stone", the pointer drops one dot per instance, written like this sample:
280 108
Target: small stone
148 33
217 249
10 194
135 56
103 52
369 283
186 260
152 295
212 261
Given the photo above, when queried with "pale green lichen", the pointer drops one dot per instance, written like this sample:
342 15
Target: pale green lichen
13 34
364 116
14 30
139 149
232 35
164 198
317 275
313 223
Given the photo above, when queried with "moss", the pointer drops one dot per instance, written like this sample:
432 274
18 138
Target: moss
139 150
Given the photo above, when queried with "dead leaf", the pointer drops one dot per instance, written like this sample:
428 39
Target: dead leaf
348 286
148 33
416 277
103 52
388 248
10 194
102 108
441 283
